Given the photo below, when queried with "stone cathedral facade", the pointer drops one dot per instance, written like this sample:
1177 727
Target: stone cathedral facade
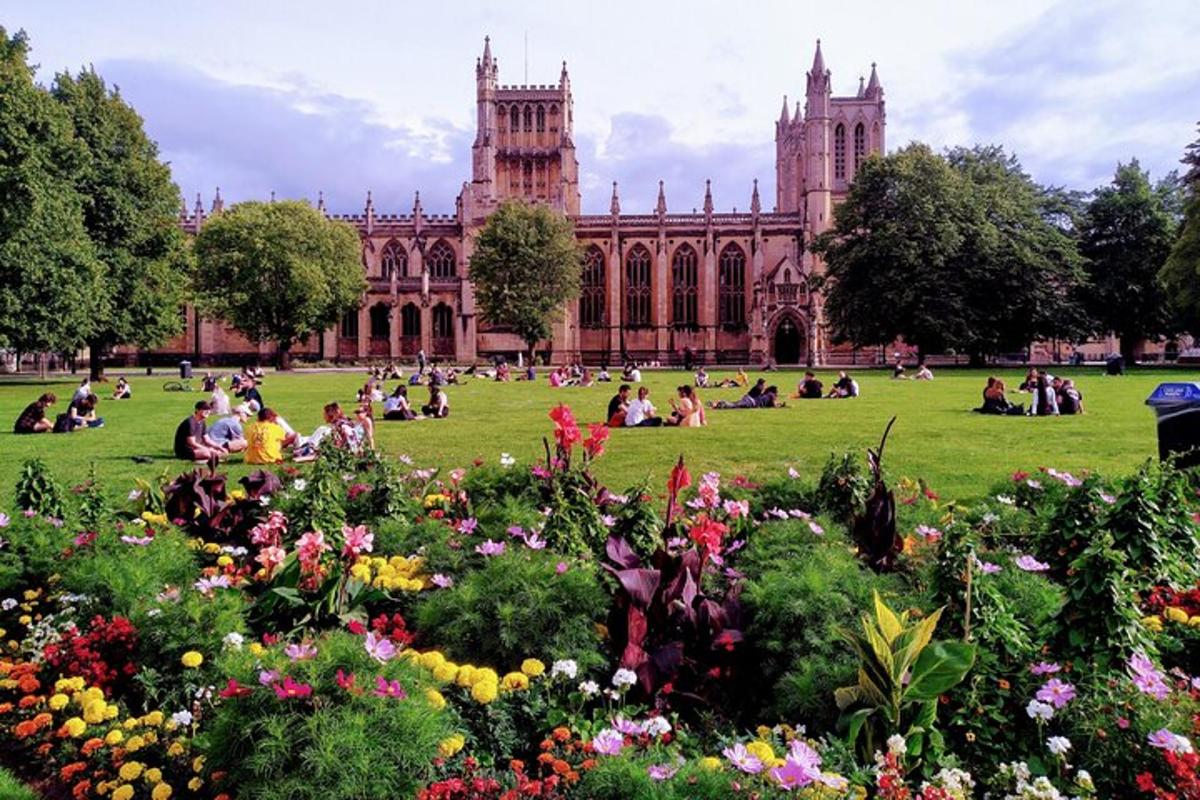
733 287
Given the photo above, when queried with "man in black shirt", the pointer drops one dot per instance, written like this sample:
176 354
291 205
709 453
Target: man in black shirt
810 387
618 403
249 392
191 437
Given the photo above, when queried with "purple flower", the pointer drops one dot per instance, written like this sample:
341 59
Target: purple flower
1031 564
743 759
928 533
676 543
560 568
815 528
1147 678
1056 693
29 513
628 727
1108 498
442 581
55 521
467 525
777 513
301 651
380 647
490 548
1166 740
4 520
608 742
208 585
516 531
985 567
792 473
609 520
386 688
797 513
142 541
267 677
534 543
1044 668
1032 484
661 772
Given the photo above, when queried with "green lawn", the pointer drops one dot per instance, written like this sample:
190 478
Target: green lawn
936 436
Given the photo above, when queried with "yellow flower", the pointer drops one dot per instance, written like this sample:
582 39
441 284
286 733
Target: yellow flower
361 572
123 792
532 667
131 723
466 676
256 649
432 660
69 684
58 702
153 775
515 681
710 764
1176 614
445 672
114 737
485 675
161 792
135 743
130 770
435 698
191 659
194 784
175 750
24 619
763 732
94 711
224 561
197 763
153 719
451 745
1194 622
761 750
75 727
111 712
1153 623
484 692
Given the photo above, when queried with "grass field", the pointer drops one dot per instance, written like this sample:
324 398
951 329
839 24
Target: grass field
936 436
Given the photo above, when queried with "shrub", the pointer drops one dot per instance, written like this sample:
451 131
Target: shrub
493 484
515 606
38 491
13 789
124 578
637 521
843 487
333 744
36 550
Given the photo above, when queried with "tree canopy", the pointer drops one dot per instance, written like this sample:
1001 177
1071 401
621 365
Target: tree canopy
961 253
277 272
130 209
1181 274
49 275
525 267
1126 237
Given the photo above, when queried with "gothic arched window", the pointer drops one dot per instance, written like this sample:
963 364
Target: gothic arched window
410 320
684 287
514 124
350 324
394 261
443 322
731 295
592 290
839 152
860 145
637 287
541 118
528 118
440 261
381 322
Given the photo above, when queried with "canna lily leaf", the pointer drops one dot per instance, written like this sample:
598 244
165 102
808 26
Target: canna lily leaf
940 667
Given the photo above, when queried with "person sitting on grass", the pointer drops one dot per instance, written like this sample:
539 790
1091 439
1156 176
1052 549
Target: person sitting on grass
1045 399
995 399
396 406
364 424
602 376
80 414
1030 382
924 373
739 380
556 378
757 397
33 418
84 389
248 391
617 406
701 378
191 437
503 373
810 388
438 406
228 432
641 412
845 387
1070 399
687 412
770 398
123 391
266 439
898 370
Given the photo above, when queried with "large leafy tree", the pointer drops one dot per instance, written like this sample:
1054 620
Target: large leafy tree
526 266
277 272
48 270
1126 237
962 253
1181 274
130 207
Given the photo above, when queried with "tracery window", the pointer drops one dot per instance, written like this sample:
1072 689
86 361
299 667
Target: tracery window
440 261
684 287
541 118
394 261
443 322
731 295
839 152
637 287
528 118
592 290
410 320
350 324
514 124
860 145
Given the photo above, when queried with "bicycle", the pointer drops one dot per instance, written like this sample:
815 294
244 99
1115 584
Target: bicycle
178 386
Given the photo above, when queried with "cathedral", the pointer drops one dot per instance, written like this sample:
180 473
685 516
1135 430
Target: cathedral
732 287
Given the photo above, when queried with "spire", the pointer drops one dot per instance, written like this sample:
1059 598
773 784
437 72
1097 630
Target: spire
797 117
218 205
198 211
563 78
783 115
487 51
615 208
818 67
417 210
661 208
708 204
755 204
321 200
874 87
183 212
861 91
369 211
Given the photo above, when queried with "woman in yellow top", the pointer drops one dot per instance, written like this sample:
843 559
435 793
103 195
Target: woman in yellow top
265 439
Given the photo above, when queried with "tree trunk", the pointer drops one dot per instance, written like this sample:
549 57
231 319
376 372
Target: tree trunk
95 361
976 360
532 350
285 355
1128 346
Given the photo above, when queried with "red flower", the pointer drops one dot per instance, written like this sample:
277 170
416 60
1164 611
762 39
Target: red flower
679 480
233 689
1019 476
707 533
356 627
566 430
594 444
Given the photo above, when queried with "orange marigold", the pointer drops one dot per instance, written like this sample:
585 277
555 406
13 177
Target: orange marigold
71 770
561 733
24 729
222 796
516 765
29 684
572 777
545 758
91 746
5 708
561 767
29 701
588 763
44 749
42 720
82 789
546 744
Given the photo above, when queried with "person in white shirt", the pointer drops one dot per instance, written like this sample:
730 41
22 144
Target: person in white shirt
81 394
396 405
641 412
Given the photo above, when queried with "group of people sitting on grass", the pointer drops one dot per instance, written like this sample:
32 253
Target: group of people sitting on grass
639 412
739 380
923 373
1050 396
80 413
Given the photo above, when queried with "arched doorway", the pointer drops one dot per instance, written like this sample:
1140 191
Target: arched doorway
787 345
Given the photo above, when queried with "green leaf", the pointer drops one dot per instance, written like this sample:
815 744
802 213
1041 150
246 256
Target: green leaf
940 666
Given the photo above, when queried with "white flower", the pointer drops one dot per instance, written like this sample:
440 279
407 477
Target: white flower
1005 499
235 640
299 484
507 460
134 495
264 500
657 726
154 612
9 603
183 718
1039 710
565 667
896 745
623 678
589 688
1059 745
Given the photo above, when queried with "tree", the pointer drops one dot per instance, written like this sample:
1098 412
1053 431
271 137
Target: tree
1126 238
525 268
1181 274
48 270
962 253
130 208
277 272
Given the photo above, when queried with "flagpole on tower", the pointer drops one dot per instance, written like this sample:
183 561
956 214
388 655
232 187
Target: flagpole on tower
527 57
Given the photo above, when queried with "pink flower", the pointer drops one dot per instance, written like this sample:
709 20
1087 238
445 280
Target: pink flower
457 475
206 586
534 543
271 531
270 558
29 513
140 541
743 759
628 727
4 520
1031 564
300 651
1147 678
1056 693
737 508
490 548
357 490
1044 668
357 540
608 742
386 688
442 581
815 528
560 568
380 647
661 772
928 533
290 689
516 531
267 677
792 473
311 545
467 525
1166 740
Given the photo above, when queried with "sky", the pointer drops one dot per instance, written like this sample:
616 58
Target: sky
301 96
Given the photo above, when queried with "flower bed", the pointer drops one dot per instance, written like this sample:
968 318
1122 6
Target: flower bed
369 628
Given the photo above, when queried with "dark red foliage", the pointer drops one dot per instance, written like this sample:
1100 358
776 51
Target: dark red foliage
103 655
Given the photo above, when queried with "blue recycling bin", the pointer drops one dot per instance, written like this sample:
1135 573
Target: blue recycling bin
1177 406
